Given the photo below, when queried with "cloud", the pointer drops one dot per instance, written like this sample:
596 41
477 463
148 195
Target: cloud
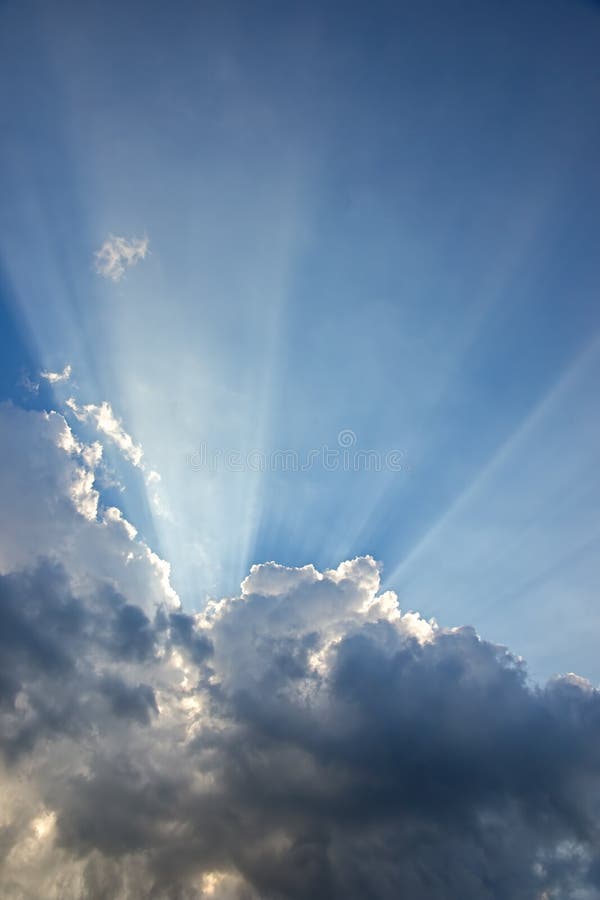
117 254
50 509
303 739
32 387
56 377
106 422
103 417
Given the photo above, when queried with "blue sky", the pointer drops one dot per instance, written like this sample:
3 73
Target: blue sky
382 221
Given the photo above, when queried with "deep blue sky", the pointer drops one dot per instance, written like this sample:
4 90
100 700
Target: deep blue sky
377 217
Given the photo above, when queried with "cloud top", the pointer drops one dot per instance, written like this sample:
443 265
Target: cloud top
117 254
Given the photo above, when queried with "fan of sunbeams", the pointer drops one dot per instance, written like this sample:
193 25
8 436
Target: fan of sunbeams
302 281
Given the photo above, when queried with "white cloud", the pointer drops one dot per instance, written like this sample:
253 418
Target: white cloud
107 423
50 508
117 254
56 377
103 417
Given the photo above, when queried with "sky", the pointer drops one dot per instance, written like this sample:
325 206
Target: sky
299 356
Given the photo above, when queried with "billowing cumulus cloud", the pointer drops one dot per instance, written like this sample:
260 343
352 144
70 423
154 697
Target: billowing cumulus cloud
304 739
117 254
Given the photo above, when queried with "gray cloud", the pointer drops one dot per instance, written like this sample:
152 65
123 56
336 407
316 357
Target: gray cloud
302 740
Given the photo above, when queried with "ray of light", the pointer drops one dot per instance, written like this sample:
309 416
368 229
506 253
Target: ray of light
503 453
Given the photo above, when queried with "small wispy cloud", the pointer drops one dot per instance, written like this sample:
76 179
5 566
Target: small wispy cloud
56 377
117 254
28 384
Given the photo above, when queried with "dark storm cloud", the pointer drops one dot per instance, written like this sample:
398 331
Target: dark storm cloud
129 701
56 651
184 634
401 760
429 771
